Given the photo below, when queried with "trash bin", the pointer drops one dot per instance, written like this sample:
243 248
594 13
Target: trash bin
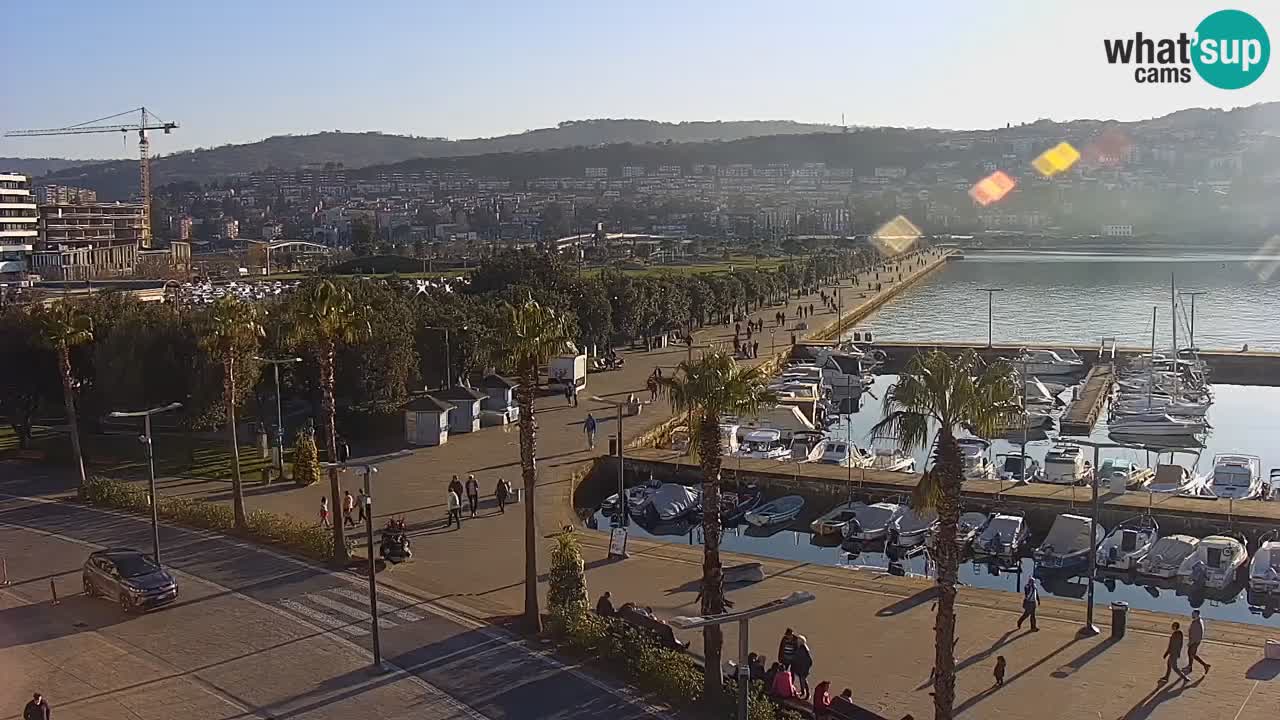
613 446
1119 617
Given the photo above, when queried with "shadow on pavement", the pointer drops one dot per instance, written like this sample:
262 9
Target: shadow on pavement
43 621
926 595
1162 693
1009 681
1263 670
1084 658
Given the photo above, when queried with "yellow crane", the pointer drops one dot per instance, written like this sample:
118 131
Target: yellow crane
146 122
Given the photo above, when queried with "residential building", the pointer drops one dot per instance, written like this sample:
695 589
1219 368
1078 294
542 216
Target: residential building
19 221
64 195
88 240
1117 230
184 227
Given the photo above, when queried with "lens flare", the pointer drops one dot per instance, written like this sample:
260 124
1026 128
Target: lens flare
1057 159
896 236
1110 148
1266 261
992 188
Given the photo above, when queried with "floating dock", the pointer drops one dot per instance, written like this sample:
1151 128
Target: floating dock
1082 414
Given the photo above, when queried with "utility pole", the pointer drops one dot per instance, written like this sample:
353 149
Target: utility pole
151 468
448 371
275 368
1192 294
991 293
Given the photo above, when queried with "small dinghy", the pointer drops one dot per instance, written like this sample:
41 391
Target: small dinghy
1068 544
733 505
1166 556
969 527
1127 543
784 509
871 522
637 498
909 529
1216 563
1002 537
834 520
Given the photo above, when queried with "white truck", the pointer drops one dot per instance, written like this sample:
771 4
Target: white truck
565 369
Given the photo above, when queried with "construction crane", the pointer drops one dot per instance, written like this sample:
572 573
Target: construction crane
147 121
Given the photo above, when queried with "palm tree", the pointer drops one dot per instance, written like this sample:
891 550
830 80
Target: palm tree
949 393
62 327
230 332
323 313
707 388
529 336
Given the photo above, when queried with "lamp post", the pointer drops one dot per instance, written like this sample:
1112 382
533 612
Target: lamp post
151 467
1193 294
275 368
622 486
368 467
448 372
1089 629
991 293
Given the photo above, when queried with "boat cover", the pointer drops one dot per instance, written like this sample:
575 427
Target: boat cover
673 500
1070 533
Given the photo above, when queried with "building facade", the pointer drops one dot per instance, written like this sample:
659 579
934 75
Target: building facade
64 195
85 241
19 223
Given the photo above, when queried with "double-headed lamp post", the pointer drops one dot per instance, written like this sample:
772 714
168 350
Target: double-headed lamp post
622 485
145 439
275 368
1089 628
991 294
369 466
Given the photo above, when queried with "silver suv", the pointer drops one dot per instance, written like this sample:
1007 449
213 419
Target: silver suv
130 577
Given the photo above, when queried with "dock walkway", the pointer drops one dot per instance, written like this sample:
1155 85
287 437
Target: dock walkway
1082 414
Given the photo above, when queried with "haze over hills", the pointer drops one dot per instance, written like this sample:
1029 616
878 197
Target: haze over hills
35 167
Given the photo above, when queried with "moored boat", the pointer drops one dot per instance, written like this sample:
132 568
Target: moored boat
1216 563
1167 555
1236 476
970 526
775 512
1002 537
871 522
1127 543
834 520
1068 544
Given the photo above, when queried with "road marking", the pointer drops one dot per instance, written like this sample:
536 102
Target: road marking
404 615
1246 700
345 609
326 620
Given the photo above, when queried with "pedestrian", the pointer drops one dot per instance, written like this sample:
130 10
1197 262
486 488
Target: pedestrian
1172 653
361 502
604 607
348 507
568 393
999 671
500 492
455 486
324 511
1030 599
589 426
787 647
755 349
755 666
802 665
455 509
737 328
810 309
653 389
573 393
473 494
37 709
1195 635
843 705
822 701
344 450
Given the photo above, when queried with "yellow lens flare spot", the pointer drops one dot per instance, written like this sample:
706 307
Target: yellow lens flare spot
1266 261
992 188
1057 159
896 236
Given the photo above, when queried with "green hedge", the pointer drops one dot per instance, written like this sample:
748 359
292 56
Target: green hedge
264 527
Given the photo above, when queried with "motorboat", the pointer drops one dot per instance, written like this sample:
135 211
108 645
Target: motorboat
975 453
871 522
1031 420
1127 543
733 505
672 501
844 454
1157 424
1012 468
1166 405
1216 563
1064 464
1166 556
764 444
729 438
1068 544
1238 477
970 526
1158 443
1264 572
1047 362
910 528
1002 537
891 461
1176 479
808 446
1124 473
775 512
637 497
834 520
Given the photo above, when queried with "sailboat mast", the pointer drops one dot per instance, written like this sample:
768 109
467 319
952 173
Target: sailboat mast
1173 304
1151 367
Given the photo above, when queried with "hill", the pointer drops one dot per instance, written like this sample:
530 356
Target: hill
35 167
114 180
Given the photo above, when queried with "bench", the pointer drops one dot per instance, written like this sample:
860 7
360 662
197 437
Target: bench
661 631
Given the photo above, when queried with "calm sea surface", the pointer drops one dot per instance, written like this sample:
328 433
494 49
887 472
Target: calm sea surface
1082 298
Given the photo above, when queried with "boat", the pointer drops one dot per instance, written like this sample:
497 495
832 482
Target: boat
1012 468
774 512
1003 536
1127 543
871 522
1157 424
729 438
764 444
977 461
1176 479
1166 556
1067 547
1235 476
891 461
1047 362
1126 473
1264 572
1216 563
843 453
970 526
733 505
1065 465
808 446
672 501
910 529
1163 404
636 496
834 520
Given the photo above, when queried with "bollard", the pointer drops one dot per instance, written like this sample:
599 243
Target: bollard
53 590
4 572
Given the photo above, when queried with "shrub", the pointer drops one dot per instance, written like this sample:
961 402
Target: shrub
567 585
306 458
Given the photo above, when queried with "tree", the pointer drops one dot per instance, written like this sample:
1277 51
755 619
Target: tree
63 327
28 375
567 581
323 314
936 389
362 236
306 459
707 388
230 332
529 336
554 222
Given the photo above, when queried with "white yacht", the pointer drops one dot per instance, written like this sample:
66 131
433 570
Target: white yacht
891 460
1065 465
1264 572
1047 362
1215 564
1156 424
1165 404
1176 479
1002 536
764 444
1127 543
1117 474
1167 555
1238 477
808 446
842 453
977 459
871 522
1013 469
1067 547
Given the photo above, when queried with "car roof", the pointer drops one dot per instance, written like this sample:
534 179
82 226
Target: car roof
118 552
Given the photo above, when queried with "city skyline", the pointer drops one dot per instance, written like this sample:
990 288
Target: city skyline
454 71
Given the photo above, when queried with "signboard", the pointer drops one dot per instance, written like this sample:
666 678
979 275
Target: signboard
618 542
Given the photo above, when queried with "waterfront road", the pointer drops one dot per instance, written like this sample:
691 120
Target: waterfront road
253 635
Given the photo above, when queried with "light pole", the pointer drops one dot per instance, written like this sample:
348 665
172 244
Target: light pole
991 294
448 372
1089 629
1193 294
622 486
275 368
151 467
368 467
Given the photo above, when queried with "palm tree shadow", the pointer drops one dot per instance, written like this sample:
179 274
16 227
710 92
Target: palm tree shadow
1009 681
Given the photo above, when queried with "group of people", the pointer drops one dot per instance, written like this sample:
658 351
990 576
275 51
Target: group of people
501 491
750 348
353 509
788 678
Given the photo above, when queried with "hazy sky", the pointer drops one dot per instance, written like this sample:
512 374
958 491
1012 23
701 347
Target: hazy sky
239 70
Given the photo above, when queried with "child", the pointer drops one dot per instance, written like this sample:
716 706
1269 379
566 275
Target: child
999 671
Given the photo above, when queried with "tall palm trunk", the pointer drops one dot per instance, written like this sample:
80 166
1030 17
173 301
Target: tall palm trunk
328 427
529 472
69 399
237 487
712 574
949 467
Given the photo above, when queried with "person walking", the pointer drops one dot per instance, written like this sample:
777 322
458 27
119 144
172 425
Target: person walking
455 510
1030 599
473 494
455 486
755 348
36 709
787 647
998 672
500 492
324 511
652 385
1195 635
568 393
801 665
589 427
1172 653
361 503
348 507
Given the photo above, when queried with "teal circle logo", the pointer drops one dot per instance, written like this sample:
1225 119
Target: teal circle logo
1232 49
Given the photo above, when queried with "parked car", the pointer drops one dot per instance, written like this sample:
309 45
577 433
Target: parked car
130 577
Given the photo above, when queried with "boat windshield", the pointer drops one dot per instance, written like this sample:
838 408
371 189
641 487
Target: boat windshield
873 515
1128 540
1013 464
1232 477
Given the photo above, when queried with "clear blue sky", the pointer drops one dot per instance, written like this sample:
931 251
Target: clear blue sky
237 70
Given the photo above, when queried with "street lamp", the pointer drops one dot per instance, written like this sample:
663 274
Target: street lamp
1193 294
622 486
368 466
448 373
151 467
275 367
991 293
1089 629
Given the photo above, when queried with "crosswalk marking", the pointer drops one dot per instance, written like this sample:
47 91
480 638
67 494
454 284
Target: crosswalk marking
347 610
323 619
404 615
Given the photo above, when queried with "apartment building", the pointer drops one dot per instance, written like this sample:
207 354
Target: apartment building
87 240
64 195
19 221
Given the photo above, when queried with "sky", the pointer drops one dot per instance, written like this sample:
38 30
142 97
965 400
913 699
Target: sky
237 71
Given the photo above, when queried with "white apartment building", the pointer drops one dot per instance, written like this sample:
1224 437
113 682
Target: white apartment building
19 221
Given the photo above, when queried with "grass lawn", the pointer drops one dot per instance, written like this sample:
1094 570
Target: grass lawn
736 262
